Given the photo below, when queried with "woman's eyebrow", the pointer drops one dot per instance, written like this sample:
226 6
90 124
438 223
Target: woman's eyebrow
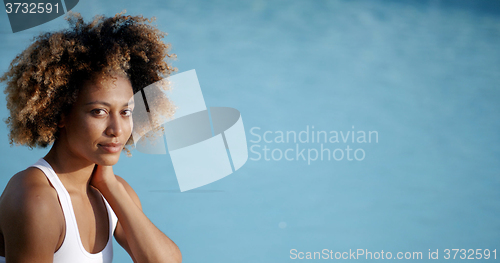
108 104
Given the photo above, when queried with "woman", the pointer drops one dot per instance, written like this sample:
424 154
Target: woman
74 90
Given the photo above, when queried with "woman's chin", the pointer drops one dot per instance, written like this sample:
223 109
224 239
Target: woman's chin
108 160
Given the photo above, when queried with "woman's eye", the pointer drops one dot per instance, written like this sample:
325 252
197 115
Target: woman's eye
99 112
127 113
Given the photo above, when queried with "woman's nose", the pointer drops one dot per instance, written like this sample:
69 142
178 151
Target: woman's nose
115 126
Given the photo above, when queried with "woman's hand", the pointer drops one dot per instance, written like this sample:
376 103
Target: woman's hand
134 231
103 177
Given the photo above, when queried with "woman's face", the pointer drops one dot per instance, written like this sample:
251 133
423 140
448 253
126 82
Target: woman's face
100 121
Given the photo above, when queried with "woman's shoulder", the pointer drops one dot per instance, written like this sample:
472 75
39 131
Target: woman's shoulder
28 196
31 219
31 182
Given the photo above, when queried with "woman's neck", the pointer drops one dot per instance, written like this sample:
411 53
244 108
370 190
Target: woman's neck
75 173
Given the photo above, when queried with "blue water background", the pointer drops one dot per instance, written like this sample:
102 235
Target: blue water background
424 74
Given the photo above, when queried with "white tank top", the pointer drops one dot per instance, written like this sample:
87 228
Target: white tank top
72 249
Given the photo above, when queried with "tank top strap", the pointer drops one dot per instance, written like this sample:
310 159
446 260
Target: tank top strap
112 216
62 193
71 236
72 249
54 180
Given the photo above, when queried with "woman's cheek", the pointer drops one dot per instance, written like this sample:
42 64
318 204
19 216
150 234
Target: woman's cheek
95 127
130 126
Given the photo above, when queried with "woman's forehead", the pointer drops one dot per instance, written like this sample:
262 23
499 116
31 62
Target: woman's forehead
114 88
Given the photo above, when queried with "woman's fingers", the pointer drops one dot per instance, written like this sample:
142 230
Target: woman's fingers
102 176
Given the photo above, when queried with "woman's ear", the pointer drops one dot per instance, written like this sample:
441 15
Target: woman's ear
62 122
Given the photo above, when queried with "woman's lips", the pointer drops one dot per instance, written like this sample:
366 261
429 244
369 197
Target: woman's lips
111 147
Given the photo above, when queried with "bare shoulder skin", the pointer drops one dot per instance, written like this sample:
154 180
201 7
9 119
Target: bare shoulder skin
31 218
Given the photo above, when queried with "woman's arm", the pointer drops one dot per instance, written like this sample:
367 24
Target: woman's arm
135 232
31 218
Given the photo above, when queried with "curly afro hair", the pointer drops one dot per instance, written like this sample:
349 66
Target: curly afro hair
44 80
